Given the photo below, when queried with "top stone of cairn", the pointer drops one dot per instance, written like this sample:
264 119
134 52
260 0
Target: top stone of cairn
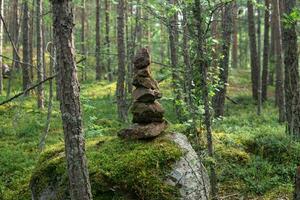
142 59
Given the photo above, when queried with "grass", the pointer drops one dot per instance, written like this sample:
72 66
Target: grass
255 159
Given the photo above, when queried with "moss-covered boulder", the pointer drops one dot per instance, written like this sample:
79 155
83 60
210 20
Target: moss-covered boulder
121 169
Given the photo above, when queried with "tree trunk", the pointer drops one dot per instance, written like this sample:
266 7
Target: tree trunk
202 63
280 98
255 68
234 52
291 62
259 99
173 38
219 98
161 40
266 50
15 33
83 52
297 184
121 98
26 56
139 33
188 74
98 55
63 25
272 56
107 39
130 47
1 45
31 40
39 54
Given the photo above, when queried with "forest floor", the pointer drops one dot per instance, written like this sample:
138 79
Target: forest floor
255 159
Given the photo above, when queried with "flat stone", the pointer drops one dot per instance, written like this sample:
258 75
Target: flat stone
145 95
146 82
147 112
143 131
142 59
143 72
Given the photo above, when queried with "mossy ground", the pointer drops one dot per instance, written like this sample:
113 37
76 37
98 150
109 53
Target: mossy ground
119 169
255 159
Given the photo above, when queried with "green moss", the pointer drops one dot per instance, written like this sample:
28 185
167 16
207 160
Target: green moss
118 169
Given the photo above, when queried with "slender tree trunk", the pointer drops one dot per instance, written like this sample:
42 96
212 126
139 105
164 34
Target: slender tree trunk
107 39
259 92
161 40
130 47
98 43
1 45
139 34
39 54
291 62
15 33
26 56
219 98
297 184
63 25
83 52
280 97
121 98
255 68
173 38
31 40
186 57
272 51
234 52
266 50
202 63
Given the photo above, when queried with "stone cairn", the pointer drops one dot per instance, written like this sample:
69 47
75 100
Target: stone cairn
148 114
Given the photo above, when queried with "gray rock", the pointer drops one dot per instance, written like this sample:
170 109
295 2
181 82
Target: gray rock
189 174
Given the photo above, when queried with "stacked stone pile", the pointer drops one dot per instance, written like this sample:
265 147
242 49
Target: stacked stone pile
148 114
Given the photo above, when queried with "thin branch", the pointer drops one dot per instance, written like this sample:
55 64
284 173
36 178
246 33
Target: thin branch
16 60
27 90
33 87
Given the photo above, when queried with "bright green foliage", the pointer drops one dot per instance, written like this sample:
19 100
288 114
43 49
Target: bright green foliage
132 169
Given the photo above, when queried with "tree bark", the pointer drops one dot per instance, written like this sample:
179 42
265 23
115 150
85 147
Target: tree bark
26 56
121 93
98 42
1 45
259 98
280 97
255 68
291 62
15 33
219 98
266 50
234 52
202 63
83 52
188 74
39 54
297 184
107 39
31 39
63 25
173 38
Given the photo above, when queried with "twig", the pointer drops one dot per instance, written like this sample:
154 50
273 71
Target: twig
231 195
27 90
16 60
232 100
34 86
